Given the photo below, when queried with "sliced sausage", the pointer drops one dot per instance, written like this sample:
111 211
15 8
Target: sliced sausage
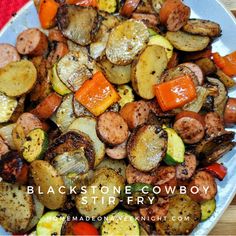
190 126
135 176
13 168
118 152
214 124
230 112
135 113
55 55
202 27
8 54
197 70
174 61
156 211
185 170
166 179
174 14
203 187
112 128
3 147
55 35
29 122
48 106
129 7
148 19
32 42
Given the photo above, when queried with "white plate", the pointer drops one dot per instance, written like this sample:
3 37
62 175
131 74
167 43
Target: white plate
204 9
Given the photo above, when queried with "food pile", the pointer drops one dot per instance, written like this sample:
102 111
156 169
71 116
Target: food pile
113 110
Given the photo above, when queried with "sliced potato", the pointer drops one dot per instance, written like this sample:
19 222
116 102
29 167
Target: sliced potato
145 73
16 208
45 176
74 68
207 66
116 74
156 4
103 177
125 41
7 107
38 212
65 113
163 42
17 78
79 24
87 125
180 207
146 147
108 22
118 165
187 42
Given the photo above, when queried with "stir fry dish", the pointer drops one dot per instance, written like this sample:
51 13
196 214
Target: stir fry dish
113 118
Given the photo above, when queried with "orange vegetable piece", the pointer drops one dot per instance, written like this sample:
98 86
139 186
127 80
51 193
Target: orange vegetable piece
47 13
83 3
227 63
175 93
97 94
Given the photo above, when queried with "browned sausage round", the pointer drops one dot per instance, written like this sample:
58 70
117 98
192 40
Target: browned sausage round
156 211
166 178
118 152
174 14
135 176
135 113
148 19
32 42
214 124
55 35
8 54
190 126
205 183
185 170
112 128
196 70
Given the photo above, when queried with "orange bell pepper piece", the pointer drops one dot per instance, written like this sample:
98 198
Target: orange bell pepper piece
97 94
227 63
47 13
83 3
175 93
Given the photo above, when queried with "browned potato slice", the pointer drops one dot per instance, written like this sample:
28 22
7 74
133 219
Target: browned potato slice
146 147
187 42
180 207
44 176
16 207
17 78
145 73
125 41
103 177
202 27
79 24
116 74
